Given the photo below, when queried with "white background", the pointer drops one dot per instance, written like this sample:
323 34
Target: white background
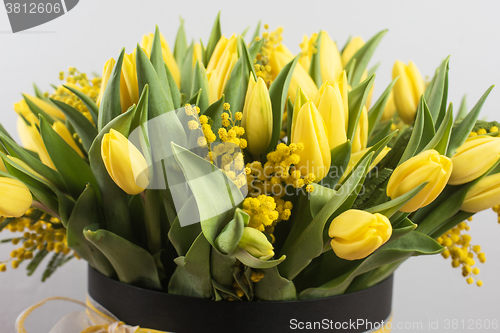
422 31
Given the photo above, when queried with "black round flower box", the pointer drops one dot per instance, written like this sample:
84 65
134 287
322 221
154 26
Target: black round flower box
360 311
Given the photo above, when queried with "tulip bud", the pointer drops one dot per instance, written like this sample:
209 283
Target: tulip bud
60 129
255 242
124 162
129 88
257 117
23 109
331 108
15 198
361 135
220 66
330 61
351 48
390 108
37 143
310 130
357 234
472 159
23 130
279 58
168 57
484 195
428 166
407 90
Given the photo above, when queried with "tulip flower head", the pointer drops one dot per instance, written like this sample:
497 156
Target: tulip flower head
256 243
361 135
257 117
279 58
15 198
357 234
129 88
124 162
330 60
428 166
483 195
310 130
220 66
475 157
351 48
407 90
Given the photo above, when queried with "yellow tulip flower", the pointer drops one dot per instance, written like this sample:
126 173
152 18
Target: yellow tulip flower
351 48
36 142
129 88
484 195
279 58
357 234
220 66
428 166
197 53
15 198
257 117
331 108
330 60
22 109
61 129
408 89
310 130
390 108
124 162
168 56
472 159
255 242
361 135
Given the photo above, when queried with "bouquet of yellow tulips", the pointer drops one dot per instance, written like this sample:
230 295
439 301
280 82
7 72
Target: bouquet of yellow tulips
234 170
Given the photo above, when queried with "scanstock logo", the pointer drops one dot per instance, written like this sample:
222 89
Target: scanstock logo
28 14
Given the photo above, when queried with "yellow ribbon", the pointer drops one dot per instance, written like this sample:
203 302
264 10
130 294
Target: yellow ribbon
99 322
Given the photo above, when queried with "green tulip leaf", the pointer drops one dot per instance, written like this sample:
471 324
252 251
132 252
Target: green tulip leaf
85 213
416 134
75 172
183 237
382 130
273 287
132 264
187 70
215 111
89 103
180 46
156 59
460 133
377 110
85 129
110 106
320 196
200 83
174 90
442 138
221 268
278 93
462 111
38 111
437 92
361 58
215 35
192 277
357 99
